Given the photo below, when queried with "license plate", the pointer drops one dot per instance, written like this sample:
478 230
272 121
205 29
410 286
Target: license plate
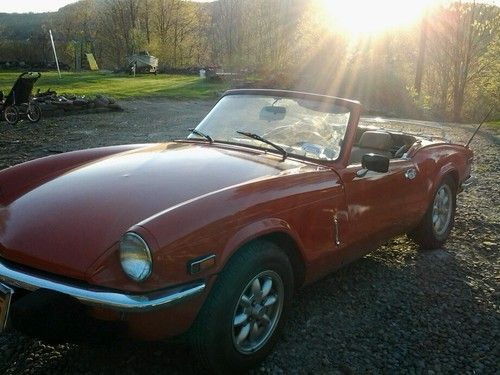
5 297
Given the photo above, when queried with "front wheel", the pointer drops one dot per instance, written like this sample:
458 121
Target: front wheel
34 112
239 323
435 227
11 115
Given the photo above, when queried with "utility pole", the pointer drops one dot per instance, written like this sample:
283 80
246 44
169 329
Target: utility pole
55 53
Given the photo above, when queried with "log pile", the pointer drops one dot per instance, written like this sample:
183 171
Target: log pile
54 104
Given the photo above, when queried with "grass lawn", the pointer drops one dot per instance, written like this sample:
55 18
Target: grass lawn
494 126
121 86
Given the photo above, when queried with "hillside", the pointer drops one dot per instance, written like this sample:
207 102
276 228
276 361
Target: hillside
19 26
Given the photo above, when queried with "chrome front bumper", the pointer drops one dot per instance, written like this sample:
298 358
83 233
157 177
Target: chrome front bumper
89 295
468 183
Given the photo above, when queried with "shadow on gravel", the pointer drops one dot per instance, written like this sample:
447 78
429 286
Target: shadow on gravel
37 357
395 311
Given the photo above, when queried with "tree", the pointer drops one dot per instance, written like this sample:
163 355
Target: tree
452 71
421 55
462 35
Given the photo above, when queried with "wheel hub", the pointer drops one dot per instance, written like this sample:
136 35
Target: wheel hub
442 210
257 312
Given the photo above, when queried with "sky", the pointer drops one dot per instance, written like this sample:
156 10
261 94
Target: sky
39 6
35 6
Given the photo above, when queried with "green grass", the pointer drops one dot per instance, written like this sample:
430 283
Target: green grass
121 86
493 126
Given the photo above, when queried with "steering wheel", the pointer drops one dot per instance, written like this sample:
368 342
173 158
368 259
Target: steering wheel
303 134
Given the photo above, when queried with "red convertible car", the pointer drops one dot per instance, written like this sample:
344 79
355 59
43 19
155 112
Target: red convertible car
209 236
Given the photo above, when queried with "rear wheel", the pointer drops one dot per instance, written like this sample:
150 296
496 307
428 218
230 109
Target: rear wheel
34 112
239 323
11 115
435 227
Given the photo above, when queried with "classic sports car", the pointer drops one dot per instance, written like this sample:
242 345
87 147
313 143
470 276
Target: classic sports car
209 236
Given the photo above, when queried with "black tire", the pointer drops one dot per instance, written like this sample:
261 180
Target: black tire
214 336
430 234
34 112
11 115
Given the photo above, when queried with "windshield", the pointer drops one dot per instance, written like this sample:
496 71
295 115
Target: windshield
310 128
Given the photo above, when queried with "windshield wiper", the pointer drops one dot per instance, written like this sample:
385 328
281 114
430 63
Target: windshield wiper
259 138
206 136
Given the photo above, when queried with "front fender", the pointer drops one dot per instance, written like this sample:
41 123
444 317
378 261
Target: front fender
255 230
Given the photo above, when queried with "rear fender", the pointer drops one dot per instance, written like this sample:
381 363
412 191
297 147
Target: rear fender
458 166
452 160
448 169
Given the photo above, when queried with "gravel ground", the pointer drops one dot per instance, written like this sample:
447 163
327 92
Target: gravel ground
396 311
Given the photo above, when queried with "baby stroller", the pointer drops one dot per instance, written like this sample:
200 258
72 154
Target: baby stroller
18 103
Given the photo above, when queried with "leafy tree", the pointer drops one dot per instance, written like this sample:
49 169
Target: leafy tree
447 68
462 37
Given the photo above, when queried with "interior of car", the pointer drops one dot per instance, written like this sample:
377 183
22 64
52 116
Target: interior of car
379 141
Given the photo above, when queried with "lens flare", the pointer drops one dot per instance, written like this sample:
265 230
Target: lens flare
361 17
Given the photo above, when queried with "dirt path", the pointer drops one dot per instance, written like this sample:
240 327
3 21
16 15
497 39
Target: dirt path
143 121
395 311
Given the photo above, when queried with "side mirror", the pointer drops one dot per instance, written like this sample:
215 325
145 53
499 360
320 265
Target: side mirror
375 163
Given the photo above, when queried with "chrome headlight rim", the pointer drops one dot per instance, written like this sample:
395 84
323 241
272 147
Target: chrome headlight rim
145 251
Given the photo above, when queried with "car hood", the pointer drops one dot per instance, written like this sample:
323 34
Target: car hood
65 224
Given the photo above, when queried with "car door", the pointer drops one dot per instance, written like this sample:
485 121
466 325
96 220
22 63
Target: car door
381 205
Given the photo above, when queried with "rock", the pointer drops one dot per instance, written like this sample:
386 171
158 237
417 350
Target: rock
101 101
490 244
80 102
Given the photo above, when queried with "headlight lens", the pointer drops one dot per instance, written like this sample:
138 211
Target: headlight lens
135 257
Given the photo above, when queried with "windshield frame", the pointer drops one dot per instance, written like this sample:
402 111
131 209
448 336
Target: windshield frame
352 106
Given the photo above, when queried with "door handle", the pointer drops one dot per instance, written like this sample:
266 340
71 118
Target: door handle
337 233
411 174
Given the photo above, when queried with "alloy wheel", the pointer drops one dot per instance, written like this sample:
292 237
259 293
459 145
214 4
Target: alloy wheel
258 312
442 210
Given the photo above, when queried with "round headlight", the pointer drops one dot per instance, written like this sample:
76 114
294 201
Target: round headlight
135 257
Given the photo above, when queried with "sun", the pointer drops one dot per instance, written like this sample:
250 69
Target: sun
364 17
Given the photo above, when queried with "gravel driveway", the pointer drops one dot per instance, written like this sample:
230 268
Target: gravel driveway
395 311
